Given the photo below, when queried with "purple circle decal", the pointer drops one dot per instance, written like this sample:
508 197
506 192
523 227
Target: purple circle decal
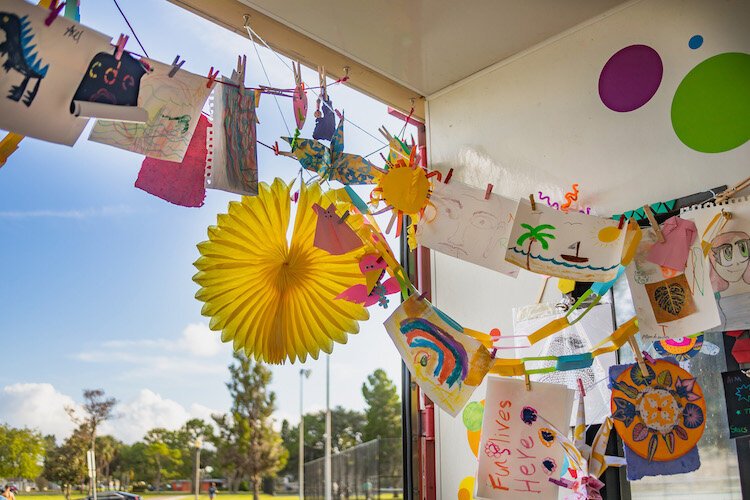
630 78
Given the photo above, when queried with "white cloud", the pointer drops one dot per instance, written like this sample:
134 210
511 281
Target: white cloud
106 211
38 406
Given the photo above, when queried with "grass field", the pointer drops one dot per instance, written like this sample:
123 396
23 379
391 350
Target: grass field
187 496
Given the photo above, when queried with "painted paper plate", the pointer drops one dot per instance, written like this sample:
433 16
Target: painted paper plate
660 416
682 348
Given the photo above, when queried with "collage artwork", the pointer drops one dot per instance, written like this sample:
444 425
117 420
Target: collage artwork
292 267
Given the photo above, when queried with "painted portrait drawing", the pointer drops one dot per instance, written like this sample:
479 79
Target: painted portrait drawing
461 223
568 245
447 364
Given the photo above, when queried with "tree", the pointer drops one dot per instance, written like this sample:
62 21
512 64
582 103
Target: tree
164 457
21 452
383 412
107 449
132 463
66 464
535 234
246 434
184 439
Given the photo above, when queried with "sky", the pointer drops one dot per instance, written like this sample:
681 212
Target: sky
96 288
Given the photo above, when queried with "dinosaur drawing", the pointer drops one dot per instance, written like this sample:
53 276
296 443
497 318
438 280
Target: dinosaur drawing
21 56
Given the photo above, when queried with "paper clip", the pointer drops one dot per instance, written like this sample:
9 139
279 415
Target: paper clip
622 222
448 176
533 203
488 192
212 77
120 47
176 65
654 224
54 11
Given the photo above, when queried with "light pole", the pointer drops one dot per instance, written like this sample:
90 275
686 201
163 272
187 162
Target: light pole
328 496
198 444
303 374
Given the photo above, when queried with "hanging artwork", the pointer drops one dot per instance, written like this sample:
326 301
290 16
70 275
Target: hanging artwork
109 88
42 66
173 104
682 348
232 150
332 164
737 395
325 121
181 183
461 223
374 291
726 242
679 235
332 233
660 417
272 298
447 364
567 245
517 451
670 304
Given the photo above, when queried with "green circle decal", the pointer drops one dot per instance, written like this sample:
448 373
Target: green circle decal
472 416
711 107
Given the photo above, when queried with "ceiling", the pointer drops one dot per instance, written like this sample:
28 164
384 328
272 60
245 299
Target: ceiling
427 45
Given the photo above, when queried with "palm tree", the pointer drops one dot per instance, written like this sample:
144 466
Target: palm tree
535 234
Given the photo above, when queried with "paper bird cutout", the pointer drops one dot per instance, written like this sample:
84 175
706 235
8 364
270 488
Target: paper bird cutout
332 233
332 163
373 292
325 124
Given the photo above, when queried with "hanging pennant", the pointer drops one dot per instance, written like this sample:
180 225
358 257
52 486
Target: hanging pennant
43 66
173 104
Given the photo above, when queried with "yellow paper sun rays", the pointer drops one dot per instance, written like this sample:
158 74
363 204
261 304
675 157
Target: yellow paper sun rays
274 299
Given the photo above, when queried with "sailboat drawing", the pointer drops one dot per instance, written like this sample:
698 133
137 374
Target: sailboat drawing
575 258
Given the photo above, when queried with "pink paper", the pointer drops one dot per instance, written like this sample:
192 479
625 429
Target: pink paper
179 183
333 234
673 253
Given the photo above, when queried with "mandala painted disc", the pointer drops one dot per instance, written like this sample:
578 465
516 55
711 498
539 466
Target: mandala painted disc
682 348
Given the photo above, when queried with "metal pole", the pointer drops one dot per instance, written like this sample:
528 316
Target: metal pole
302 374
198 443
328 481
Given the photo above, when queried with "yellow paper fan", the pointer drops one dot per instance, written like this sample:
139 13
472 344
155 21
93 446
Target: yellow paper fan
273 299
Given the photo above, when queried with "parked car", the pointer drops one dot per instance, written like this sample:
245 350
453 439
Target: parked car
114 495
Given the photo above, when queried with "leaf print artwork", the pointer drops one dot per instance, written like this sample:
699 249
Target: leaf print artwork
671 299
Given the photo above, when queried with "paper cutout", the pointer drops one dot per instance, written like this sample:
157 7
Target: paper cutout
232 156
272 298
641 272
373 291
671 298
566 245
729 258
472 416
325 124
461 223
681 348
679 235
332 163
447 364
737 395
38 106
299 104
173 105
179 183
332 233
512 454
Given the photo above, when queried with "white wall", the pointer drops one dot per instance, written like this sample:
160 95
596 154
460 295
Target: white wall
536 122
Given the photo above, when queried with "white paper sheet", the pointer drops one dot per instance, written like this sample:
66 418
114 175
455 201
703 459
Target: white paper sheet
55 60
459 222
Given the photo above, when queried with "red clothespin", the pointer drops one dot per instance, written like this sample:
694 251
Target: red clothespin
622 222
488 192
121 46
212 76
422 296
448 176
176 65
54 11
581 389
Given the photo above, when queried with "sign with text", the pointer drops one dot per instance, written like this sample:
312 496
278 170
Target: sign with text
517 452
737 394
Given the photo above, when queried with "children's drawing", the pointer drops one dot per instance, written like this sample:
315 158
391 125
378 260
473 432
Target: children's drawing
514 462
461 223
446 363
662 309
232 159
567 245
173 105
374 291
41 69
727 244
111 81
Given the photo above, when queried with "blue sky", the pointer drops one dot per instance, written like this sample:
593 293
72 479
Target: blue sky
96 285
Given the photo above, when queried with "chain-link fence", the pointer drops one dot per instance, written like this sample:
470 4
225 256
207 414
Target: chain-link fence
367 471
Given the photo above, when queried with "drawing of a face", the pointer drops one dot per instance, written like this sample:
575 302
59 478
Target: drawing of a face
730 253
473 229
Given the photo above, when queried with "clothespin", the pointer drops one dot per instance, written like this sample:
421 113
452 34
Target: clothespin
212 77
384 132
488 191
322 82
8 145
654 224
448 176
121 46
422 296
346 74
638 355
297 70
722 197
528 381
533 203
344 217
621 224
581 389
241 66
54 11
277 152
176 65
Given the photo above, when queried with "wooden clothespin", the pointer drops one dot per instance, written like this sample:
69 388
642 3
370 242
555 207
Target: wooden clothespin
488 191
241 66
54 12
322 82
121 46
448 176
176 65
212 76
297 70
384 132
346 74
344 217
722 197
654 224
621 223
638 355
533 203
528 381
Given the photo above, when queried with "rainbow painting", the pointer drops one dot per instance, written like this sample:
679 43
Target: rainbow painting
429 341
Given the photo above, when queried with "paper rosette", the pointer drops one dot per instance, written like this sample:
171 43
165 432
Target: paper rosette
275 299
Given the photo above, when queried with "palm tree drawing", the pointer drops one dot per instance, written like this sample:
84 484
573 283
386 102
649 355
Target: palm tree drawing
535 234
